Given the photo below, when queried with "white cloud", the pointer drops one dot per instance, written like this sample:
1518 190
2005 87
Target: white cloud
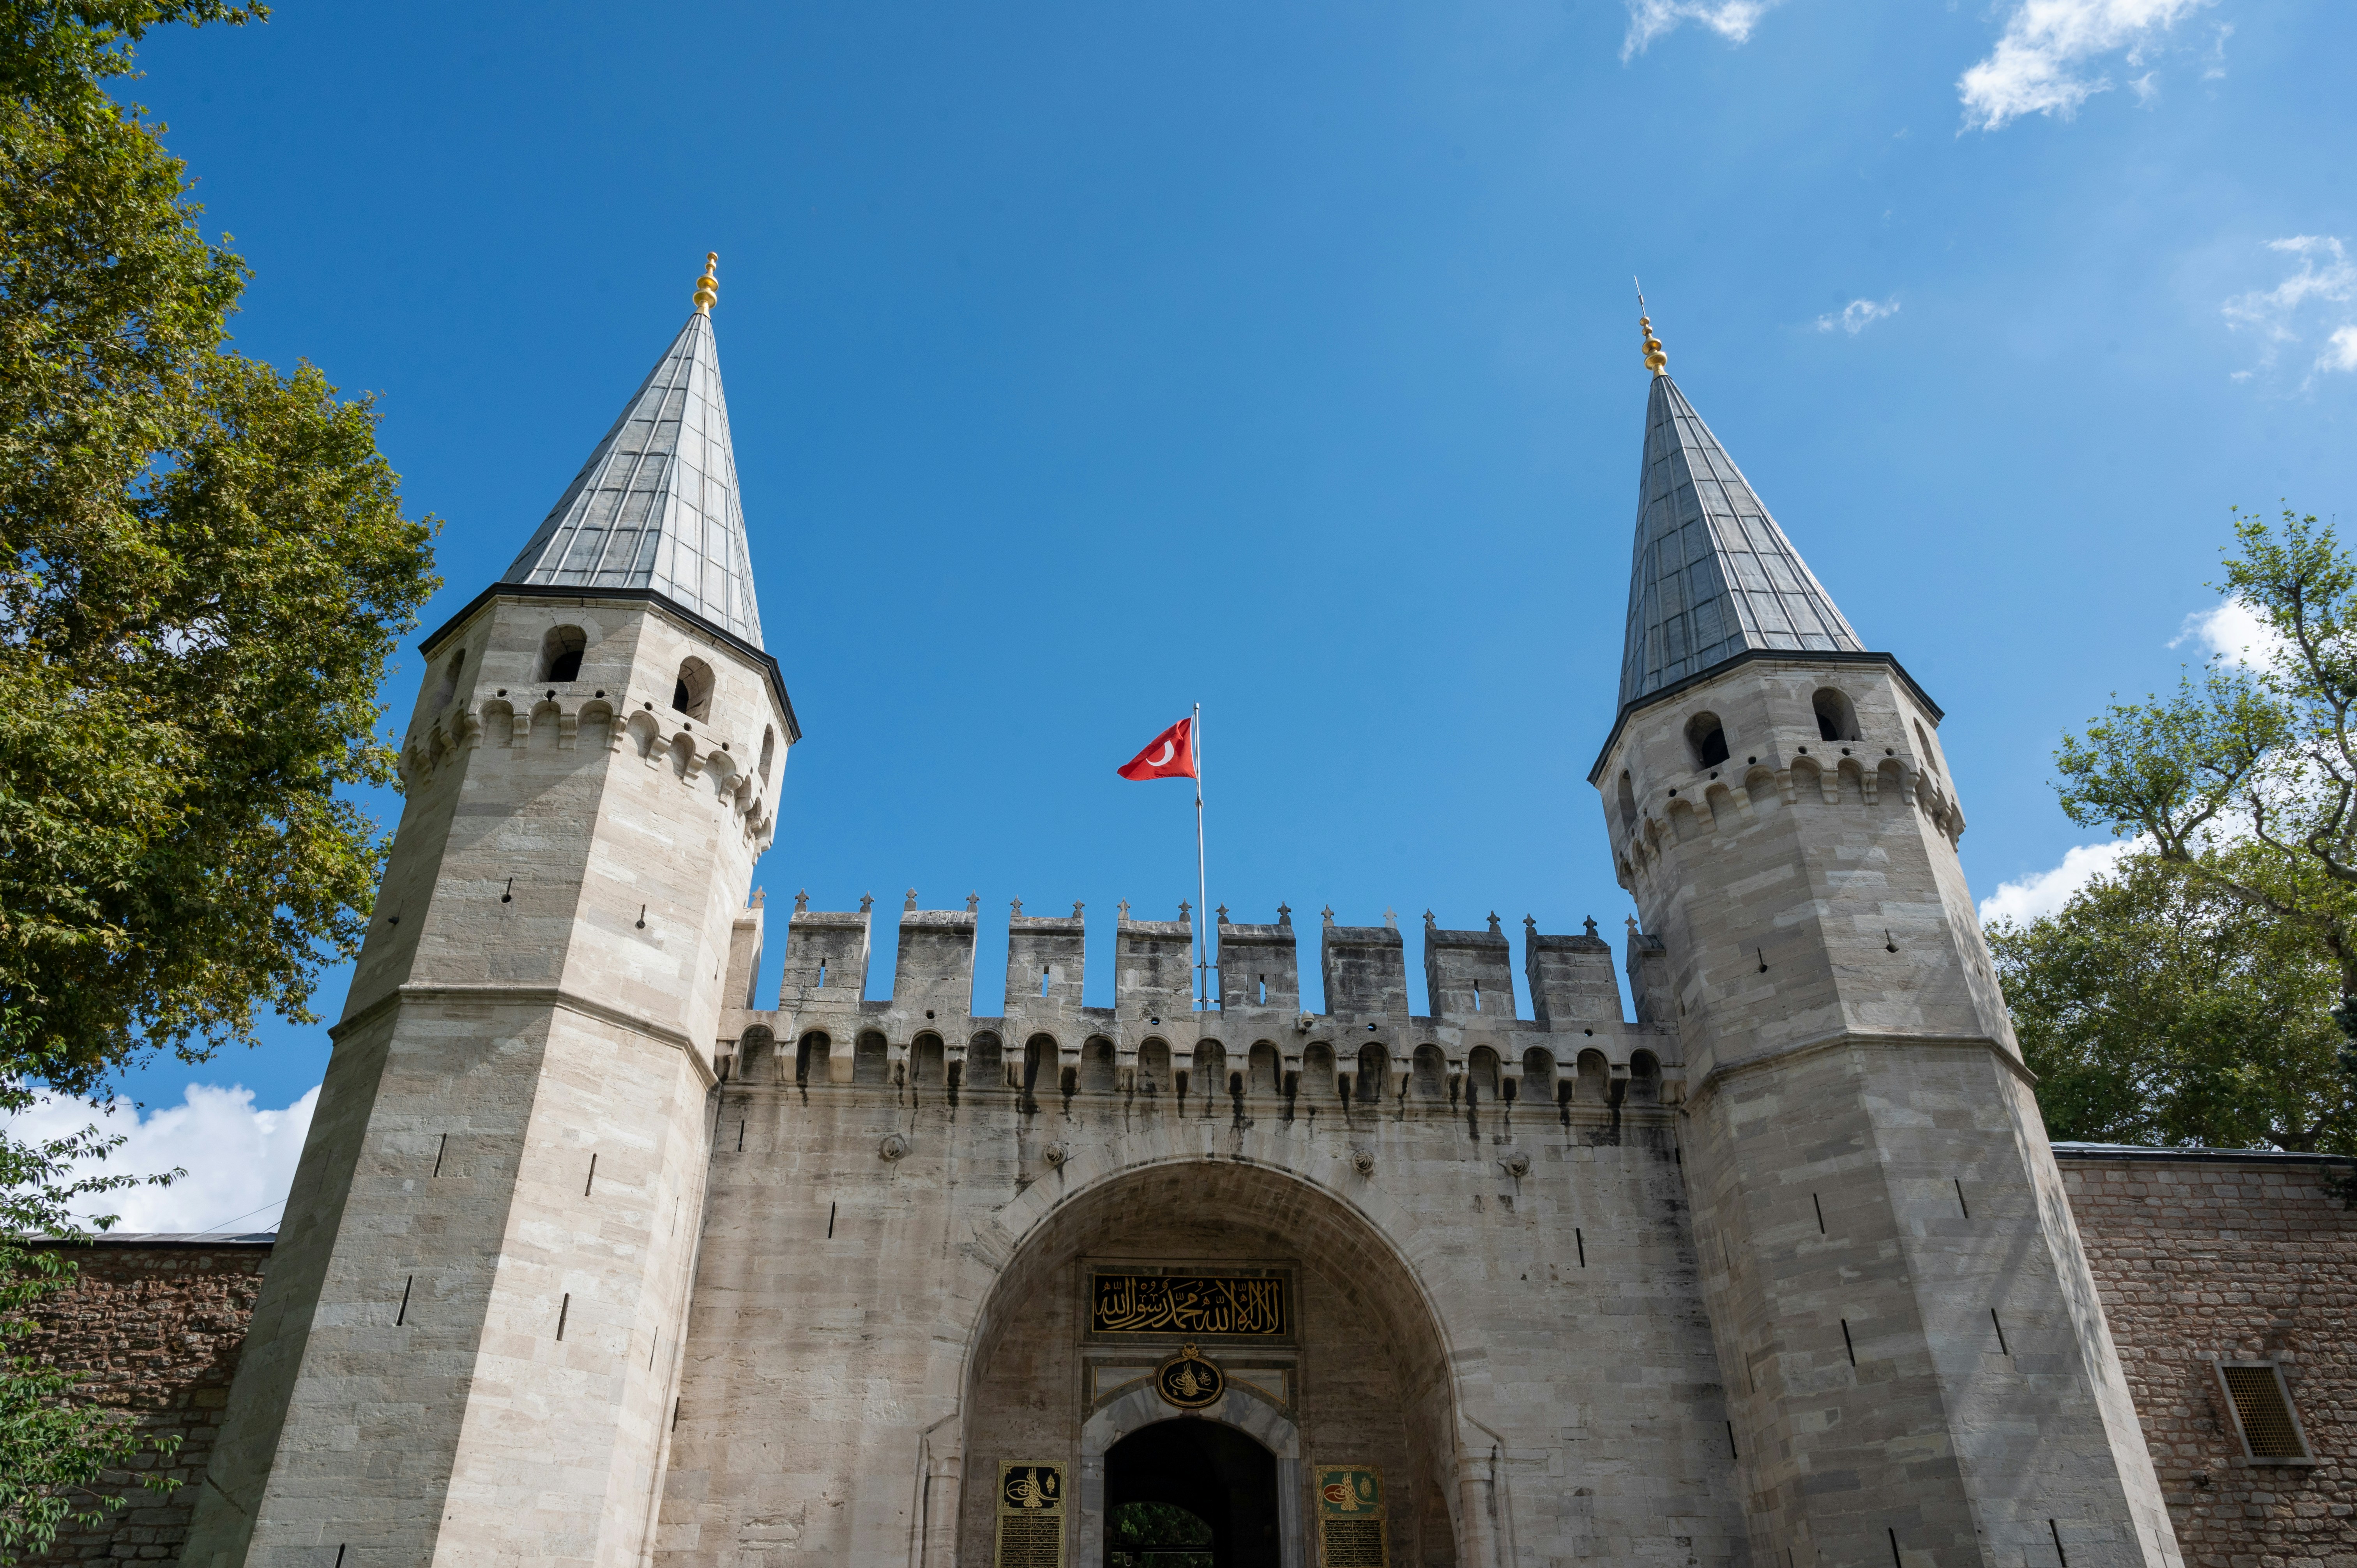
2045 892
2340 351
2325 284
239 1161
2233 632
1858 315
2042 59
1730 19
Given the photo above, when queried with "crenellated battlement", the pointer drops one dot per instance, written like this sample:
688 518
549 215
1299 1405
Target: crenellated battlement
1155 1039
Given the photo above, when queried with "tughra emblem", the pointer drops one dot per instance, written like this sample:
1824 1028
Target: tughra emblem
1189 1381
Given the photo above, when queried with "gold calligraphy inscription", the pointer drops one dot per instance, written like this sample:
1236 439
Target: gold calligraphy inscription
1189 1303
1351 1530
1030 1515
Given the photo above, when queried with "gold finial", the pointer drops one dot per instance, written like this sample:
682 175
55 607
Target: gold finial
1655 361
708 287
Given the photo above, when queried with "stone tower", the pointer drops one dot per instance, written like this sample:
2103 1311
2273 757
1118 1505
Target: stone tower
466 1346
1917 1365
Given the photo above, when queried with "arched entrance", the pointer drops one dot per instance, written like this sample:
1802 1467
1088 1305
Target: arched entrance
1191 1494
1342 1363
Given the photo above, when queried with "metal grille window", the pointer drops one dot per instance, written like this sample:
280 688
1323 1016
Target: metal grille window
2263 1411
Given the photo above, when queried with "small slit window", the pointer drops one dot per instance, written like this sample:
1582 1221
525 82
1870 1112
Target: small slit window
692 693
2262 1412
1628 801
769 751
1707 737
560 654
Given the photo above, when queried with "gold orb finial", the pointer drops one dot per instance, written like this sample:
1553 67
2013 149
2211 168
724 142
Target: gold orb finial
1655 361
708 287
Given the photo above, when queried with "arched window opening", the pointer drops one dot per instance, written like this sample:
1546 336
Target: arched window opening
691 694
450 674
1039 1060
1837 719
811 1047
1428 1071
1707 738
1153 1066
560 654
1923 744
1372 1061
769 750
928 1058
986 1065
1645 1078
1538 1077
1628 801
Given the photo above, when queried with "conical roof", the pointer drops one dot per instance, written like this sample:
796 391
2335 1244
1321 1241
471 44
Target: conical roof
656 505
1714 576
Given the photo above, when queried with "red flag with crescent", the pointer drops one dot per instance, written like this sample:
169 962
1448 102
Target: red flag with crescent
1170 755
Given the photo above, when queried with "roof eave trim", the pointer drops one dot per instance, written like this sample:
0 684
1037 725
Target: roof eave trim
550 593
1776 655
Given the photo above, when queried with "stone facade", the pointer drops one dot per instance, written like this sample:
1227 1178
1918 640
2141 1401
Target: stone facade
2237 1256
589 1261
152 1326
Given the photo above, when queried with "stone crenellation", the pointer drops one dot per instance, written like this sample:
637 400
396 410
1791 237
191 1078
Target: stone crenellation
827 1029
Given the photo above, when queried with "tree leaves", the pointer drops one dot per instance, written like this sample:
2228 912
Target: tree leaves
2157 1008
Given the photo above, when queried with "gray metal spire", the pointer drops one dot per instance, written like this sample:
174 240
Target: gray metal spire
656 506
1714 576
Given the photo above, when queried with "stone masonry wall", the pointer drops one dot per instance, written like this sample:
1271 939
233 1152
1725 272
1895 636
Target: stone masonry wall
155 1324
2199 1257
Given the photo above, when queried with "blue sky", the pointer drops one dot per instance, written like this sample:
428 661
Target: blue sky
1089 362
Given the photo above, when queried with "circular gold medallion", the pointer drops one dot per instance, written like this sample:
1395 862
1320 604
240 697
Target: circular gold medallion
1189 1381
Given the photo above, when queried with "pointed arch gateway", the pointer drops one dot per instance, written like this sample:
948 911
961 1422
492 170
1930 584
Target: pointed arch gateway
1361 1373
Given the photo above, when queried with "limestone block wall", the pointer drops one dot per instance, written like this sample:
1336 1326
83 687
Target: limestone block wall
1787 827
154 1327
2202 1255
1501 1298
470 1336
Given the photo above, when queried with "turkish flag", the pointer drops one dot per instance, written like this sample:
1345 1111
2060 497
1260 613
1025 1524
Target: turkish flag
1171 754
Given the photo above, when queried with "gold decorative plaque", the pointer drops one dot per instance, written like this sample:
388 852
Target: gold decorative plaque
1192 1304
1351 1530
1030 1515
1189 1381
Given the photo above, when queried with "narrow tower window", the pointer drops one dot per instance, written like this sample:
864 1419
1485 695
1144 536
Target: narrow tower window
450 674
769 751
691 694
1708 738
560 654
1923 744
1837 719
1628 801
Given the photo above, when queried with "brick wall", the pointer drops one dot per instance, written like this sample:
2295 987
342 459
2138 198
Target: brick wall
154 1325
2202 1256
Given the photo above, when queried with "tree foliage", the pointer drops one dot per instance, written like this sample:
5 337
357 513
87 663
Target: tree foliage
2244 782
2156 1008
203 568
55 1452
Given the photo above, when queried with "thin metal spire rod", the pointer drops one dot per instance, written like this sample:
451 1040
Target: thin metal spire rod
1202 884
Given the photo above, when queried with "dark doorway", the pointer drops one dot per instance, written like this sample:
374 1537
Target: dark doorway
1190 1493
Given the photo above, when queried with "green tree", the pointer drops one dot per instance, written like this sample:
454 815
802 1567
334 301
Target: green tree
2156 1008
203 568
2245 779
55 1452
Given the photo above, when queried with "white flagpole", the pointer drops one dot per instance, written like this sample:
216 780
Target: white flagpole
1202 886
